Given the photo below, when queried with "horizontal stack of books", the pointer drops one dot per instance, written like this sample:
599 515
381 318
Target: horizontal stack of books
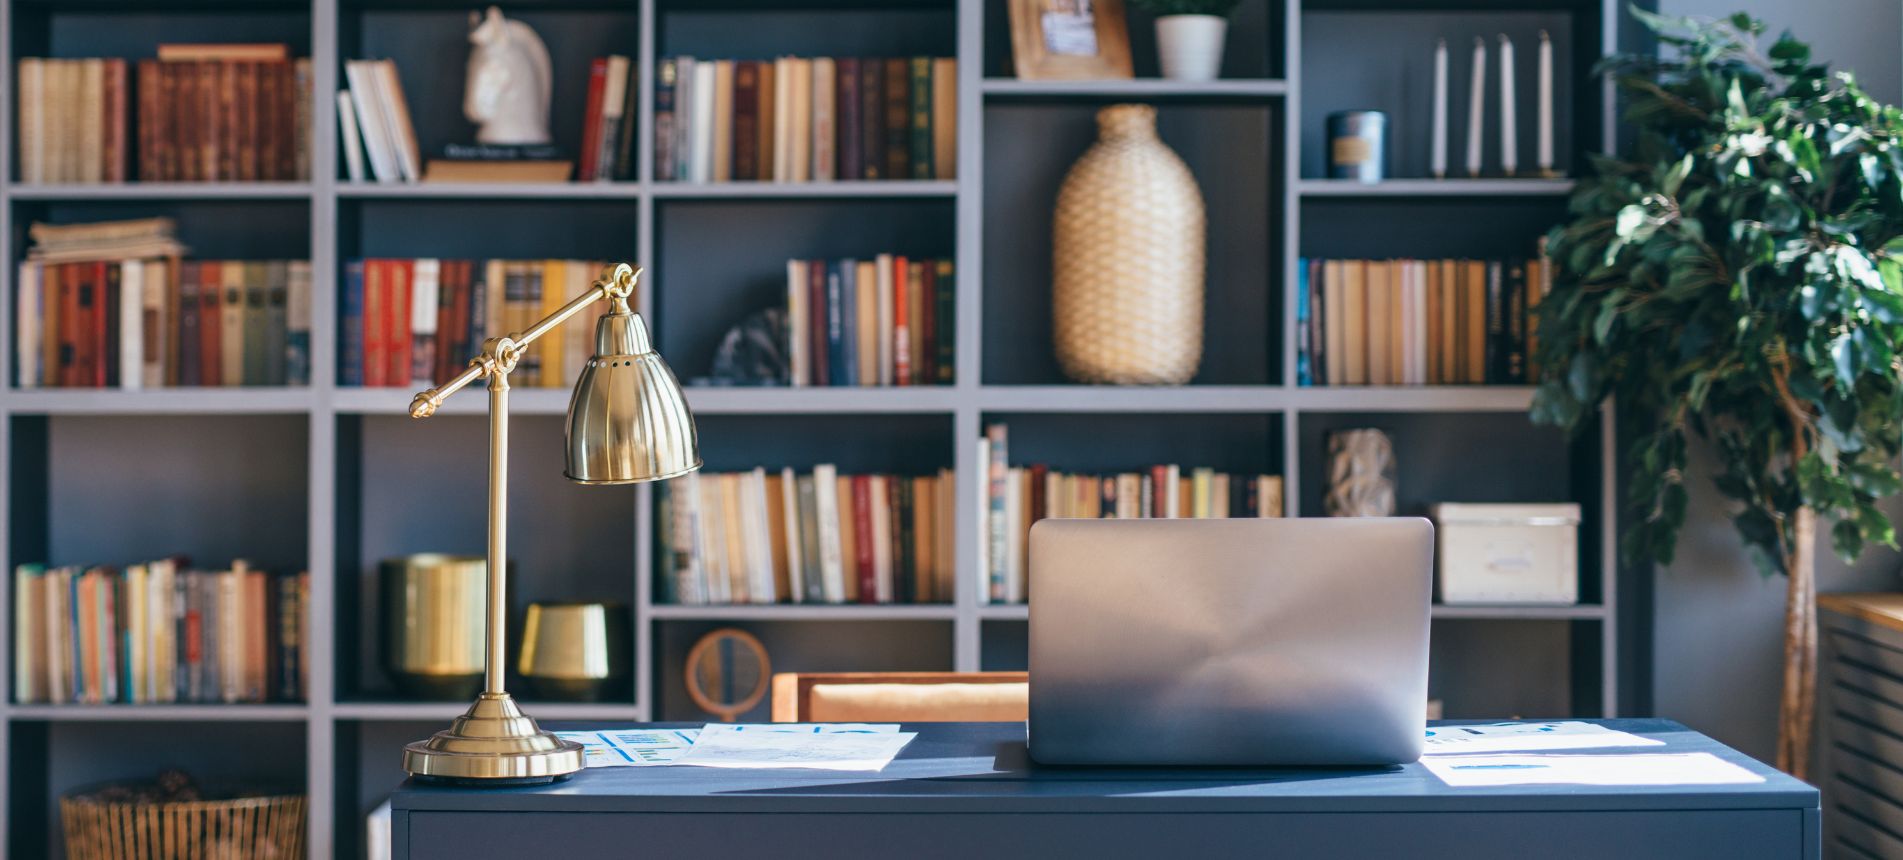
416 322
158 632
206 113
1015 497
113 305
798 119
1417 322
889 320
823 537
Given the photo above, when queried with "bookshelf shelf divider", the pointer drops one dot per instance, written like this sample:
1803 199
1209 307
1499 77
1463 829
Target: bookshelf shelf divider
346 731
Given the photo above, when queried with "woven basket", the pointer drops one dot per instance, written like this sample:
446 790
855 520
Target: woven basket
1127 255
247 828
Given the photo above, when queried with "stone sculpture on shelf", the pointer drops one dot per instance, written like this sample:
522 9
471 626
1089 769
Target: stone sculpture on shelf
510 84
1360 474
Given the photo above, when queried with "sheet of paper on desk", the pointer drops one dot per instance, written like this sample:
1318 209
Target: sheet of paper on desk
1528 737
726 746
1623 769
805 728
631 747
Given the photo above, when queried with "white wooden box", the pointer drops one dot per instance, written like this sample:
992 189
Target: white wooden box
1508 553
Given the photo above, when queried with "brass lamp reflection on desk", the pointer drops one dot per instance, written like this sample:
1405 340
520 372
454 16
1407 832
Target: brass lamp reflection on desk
627 423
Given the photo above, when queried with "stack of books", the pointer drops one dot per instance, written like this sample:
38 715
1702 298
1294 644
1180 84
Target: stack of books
112 305
205 113
823 537
888 320
798 119
158 632
411 323
1015 497
1417 322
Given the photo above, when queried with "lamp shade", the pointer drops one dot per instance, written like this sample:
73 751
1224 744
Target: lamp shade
628 421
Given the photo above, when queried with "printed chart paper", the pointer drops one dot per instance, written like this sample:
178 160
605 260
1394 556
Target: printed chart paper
631 747
740 748
1626 769
1528 737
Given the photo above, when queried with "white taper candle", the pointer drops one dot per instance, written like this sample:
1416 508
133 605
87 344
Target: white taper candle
1476 99
1545 154
1438 162
1509 131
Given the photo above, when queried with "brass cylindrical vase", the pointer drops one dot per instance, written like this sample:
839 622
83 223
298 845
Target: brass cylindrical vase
574 651
433 609
1127 255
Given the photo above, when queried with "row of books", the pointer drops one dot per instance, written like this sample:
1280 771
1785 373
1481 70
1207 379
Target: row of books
889 320
415 322
1015 497
799 119
158 632
215 113
821 537
115 305
1417 322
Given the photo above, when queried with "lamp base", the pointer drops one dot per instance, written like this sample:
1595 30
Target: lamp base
493 744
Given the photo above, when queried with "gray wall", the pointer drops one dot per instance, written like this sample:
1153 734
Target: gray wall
1716 642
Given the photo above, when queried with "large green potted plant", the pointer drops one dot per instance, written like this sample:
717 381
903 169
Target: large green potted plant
1738 276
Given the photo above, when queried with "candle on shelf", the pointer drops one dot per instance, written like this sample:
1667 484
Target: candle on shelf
1545 154
1476 97
1439 159
1509 138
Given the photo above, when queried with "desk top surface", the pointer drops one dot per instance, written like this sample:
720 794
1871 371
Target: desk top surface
978 767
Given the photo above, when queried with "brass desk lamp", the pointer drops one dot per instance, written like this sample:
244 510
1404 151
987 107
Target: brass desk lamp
627 423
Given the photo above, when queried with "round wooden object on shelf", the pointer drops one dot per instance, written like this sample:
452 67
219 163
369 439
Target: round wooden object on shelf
1128 258
727 672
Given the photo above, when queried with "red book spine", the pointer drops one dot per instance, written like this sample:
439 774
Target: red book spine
928 320
148 84
862 538
816 312
106 324
69 322
453 331
1159 491
113 149
591 122
398 336
211 280
96 333
901 324
376 322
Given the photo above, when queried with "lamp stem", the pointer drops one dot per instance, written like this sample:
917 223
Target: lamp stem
495 636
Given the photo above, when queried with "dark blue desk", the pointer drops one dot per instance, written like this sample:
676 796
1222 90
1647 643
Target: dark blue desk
968 791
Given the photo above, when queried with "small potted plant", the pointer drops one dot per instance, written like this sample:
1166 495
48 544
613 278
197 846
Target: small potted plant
1189 36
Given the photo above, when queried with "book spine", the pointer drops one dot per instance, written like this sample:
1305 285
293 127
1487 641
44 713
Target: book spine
944 118
424 312
746 121
1515 322
946 335
925 334
665 75
297 323
110 325
897 112
351 355
114 124
819 314
836 341
399 336
1496 327
257 324
376 323
901 323
850 120
863 538
591 122
871 119
921 156
277 293
997 472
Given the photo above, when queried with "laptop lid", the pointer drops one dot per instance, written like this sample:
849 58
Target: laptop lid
1229 642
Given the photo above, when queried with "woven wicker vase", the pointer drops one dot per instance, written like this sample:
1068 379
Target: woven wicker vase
1128 258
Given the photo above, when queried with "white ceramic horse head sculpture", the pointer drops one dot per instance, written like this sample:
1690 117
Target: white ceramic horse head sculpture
510 84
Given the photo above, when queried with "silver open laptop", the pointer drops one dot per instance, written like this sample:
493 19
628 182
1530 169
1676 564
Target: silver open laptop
1229 642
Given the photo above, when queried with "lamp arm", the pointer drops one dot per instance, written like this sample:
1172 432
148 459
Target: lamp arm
500 354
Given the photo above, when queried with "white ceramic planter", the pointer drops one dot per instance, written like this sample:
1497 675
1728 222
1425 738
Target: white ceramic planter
1190 46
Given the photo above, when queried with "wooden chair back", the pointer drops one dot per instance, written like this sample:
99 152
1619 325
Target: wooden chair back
901 697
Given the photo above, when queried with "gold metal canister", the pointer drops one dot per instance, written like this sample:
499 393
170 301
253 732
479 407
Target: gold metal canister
574 651
433 607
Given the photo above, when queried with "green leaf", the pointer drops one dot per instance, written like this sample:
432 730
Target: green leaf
1847 539
1608 313
1844 358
